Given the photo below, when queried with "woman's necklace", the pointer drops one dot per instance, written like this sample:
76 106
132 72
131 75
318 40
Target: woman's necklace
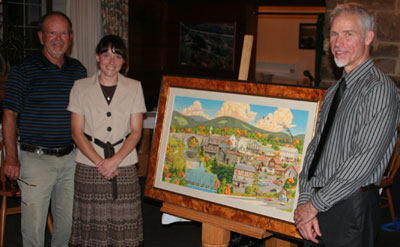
108 92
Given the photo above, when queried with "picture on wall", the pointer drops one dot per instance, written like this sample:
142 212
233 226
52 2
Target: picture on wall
207 45
238 150
307 36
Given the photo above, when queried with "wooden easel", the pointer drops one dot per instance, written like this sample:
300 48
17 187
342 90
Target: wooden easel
216 231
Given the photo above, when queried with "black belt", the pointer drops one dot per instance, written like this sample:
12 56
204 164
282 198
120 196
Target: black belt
368 187
58 152
108 153
362 189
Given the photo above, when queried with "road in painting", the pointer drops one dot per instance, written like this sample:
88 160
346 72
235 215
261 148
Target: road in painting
239 150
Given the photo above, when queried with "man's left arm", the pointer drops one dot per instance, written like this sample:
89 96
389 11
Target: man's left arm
379 113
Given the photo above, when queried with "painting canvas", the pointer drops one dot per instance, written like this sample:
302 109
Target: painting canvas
307 36
238 150
207 45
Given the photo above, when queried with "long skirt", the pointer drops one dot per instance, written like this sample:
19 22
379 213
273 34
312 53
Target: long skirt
98 219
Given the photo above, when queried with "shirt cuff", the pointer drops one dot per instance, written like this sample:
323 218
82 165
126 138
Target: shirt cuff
320 203
304 198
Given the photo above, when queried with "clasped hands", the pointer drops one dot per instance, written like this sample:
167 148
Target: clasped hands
107 168
305 218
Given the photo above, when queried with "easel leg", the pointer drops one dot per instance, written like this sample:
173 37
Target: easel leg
213 236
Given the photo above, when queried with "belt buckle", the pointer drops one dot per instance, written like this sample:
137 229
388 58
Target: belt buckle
39 151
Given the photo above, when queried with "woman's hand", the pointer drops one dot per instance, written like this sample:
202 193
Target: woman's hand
108 168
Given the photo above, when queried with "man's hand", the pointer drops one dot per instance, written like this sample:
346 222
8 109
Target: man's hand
11 169
304 213
11 165
310 230
307 222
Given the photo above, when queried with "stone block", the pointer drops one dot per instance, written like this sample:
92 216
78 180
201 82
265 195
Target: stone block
388 27
331 4
326 84
377 5
386 65
329 70
385 50
396 80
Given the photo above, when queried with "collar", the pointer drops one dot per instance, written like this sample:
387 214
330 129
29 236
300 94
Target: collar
357 72
97 78
46 62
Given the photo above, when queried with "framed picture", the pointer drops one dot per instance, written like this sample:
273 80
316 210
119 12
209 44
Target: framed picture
232 148
207 45
307 36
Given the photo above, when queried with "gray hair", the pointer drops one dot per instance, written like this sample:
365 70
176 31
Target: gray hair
365 17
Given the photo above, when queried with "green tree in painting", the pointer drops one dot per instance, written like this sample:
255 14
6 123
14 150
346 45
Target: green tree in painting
222 171
221 188
174 158
255 188
300 146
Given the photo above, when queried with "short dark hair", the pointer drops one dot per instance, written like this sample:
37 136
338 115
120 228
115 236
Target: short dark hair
43 19
115 43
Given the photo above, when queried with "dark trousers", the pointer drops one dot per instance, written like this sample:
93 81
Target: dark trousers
353 222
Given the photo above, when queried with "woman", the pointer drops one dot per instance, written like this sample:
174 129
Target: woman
106 120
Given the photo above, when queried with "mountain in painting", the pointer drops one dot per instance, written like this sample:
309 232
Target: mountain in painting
181 120
199 118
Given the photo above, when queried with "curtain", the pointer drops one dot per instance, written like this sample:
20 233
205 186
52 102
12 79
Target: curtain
115 18
86 24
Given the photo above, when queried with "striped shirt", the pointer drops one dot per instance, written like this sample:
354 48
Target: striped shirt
361 141
39 91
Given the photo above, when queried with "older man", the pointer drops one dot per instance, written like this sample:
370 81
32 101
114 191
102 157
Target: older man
355 135
37 92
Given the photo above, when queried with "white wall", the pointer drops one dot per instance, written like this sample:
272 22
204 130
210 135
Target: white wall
278 46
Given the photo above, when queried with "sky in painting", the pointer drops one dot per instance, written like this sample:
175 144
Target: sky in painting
266 117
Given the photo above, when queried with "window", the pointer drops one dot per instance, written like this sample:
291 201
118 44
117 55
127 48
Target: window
19 20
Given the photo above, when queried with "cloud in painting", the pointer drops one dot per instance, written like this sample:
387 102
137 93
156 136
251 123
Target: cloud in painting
237 110
195 110
278 121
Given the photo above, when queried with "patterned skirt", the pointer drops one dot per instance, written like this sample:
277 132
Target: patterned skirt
100 221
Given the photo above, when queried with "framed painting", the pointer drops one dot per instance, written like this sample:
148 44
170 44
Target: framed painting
307 36
232 148
207 45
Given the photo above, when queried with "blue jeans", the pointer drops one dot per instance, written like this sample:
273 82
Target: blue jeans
54 180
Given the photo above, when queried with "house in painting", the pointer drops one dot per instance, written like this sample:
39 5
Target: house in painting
242 145
232 157
288 155
260 163
292 172
279 170
253 146
272 165
243 175
268 152
233 141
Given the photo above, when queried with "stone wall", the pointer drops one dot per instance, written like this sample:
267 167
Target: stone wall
385 48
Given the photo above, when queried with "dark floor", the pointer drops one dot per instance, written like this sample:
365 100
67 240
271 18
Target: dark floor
185 234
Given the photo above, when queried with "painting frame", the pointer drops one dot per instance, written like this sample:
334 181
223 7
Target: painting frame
207 45
307 36
239 88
